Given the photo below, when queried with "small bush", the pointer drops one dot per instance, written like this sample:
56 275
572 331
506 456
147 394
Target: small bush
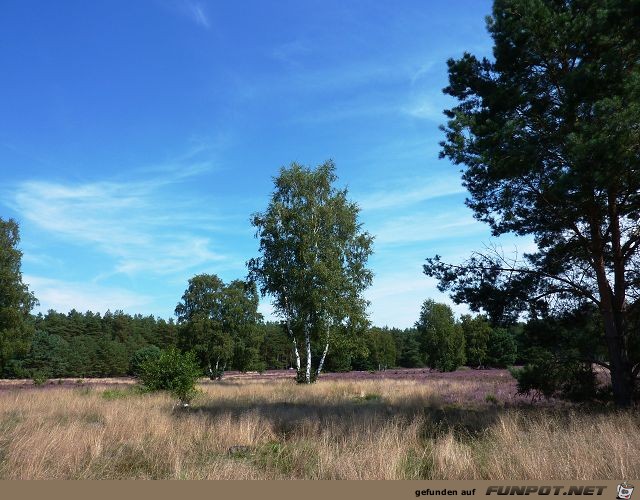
149 352
39 378
548 375
172 371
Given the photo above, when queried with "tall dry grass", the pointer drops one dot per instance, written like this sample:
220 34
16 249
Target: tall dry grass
331 430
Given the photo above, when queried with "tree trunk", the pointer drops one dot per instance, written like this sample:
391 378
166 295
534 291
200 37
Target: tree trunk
307 340
614 323
297 353
622 379
324 355
612 309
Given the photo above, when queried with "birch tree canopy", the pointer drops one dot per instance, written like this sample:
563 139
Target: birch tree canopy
313 255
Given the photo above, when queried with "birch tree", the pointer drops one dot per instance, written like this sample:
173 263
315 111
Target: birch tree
313 261
215 319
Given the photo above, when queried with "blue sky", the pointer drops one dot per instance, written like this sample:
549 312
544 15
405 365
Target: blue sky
137 138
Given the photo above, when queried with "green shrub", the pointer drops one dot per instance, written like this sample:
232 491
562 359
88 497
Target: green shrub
172 371
149 352
548 375
39 378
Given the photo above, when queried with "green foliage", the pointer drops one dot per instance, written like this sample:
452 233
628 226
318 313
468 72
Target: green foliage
49 355
39 378
377 351
491 398
219 323
382 348
276 349
172 371
408 348
501 348
559 352
15 368
477 332
87 345
313 257
347 352
16 301
547 375
547 134
241 320
442 340
143 355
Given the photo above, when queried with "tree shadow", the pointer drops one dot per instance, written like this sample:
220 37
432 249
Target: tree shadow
299 419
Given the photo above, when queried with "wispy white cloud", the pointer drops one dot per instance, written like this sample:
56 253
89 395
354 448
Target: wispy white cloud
360 107
197 13
425 226
144 226
408 193
428 106
193 10
295 76
63 295
42 261
422 70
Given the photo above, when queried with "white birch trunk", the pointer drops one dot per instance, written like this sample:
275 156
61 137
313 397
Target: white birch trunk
324 355
307 340
297 353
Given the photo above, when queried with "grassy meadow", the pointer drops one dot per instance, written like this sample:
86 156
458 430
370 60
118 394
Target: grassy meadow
457 427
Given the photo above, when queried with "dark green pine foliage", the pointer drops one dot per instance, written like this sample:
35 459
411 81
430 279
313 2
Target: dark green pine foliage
560 353
408 348
502 349
88 345
49 356
547 134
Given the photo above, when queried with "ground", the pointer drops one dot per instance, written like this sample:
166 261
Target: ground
398 424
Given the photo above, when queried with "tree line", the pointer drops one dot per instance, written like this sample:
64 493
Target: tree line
84 345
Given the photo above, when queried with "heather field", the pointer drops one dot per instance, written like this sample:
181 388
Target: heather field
398 424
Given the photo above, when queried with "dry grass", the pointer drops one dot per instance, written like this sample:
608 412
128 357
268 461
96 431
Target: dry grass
332 430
